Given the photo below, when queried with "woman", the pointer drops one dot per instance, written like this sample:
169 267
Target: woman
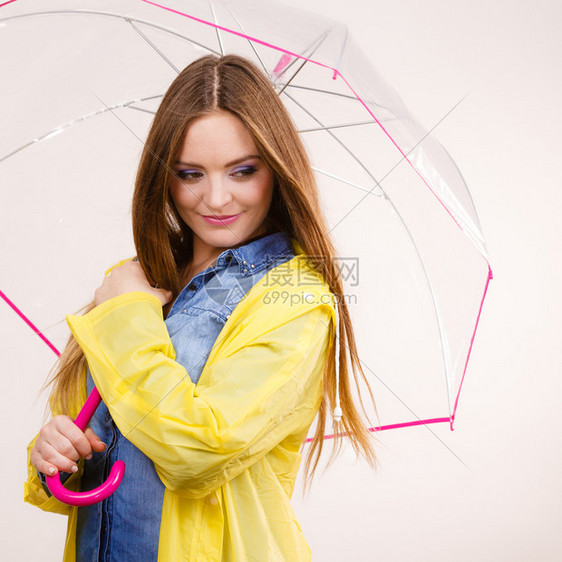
213 352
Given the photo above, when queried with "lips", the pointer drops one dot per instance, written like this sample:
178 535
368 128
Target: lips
220 216
220 220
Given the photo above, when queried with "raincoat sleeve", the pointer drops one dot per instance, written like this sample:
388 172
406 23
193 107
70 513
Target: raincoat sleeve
264 385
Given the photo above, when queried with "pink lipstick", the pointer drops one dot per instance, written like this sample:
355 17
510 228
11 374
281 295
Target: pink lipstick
219 220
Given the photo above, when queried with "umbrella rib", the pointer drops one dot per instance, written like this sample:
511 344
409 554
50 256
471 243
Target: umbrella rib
217 28
306 54
142 109
330 175
445 364
304 87
337 140
338 94
337 126
293 76
61 128
247 38
479 242
111 15
440 327
325 92
152 45
320 40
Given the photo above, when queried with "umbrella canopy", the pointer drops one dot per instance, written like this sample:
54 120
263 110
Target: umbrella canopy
80 84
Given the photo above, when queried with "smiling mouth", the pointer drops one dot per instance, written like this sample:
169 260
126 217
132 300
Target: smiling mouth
220 216
221 220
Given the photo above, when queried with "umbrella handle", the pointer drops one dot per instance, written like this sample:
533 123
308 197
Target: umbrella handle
104 490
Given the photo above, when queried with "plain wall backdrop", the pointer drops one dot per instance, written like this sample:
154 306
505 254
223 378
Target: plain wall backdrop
491 489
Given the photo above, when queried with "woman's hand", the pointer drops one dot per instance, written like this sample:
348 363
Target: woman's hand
128 278
60 444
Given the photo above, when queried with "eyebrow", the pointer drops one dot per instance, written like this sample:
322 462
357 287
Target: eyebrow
237 161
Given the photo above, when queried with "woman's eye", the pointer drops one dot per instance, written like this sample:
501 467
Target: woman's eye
244 172
191 175
188 174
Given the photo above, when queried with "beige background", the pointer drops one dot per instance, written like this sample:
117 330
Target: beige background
503 501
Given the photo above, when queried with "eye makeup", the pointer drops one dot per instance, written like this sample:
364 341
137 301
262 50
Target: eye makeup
244 171
240 172
188 174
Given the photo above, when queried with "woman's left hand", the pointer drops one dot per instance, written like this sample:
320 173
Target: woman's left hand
128 278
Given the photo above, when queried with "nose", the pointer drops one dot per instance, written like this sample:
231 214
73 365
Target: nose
217 195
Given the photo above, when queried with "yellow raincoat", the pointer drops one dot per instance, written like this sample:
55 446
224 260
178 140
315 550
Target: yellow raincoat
226 449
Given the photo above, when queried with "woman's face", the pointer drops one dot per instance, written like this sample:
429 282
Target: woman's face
221 174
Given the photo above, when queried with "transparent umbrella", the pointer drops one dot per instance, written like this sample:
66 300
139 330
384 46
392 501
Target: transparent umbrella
80 83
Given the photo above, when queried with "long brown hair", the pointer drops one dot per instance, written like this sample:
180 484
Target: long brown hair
164 242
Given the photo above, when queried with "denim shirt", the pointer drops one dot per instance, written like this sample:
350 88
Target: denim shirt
126 526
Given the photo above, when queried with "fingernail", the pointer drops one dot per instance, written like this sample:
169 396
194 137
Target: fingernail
51 470
89 457
74 468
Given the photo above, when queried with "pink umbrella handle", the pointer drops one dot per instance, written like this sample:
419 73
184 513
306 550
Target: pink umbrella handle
104 490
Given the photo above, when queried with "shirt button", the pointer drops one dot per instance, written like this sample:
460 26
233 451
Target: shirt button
193 287
213 501
227 316
244 262
244 270
252 265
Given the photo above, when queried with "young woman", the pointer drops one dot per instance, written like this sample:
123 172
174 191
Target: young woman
214 349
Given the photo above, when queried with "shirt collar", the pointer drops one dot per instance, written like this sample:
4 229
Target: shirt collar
257 254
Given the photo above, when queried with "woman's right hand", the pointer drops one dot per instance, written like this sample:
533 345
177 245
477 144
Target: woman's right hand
60 444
